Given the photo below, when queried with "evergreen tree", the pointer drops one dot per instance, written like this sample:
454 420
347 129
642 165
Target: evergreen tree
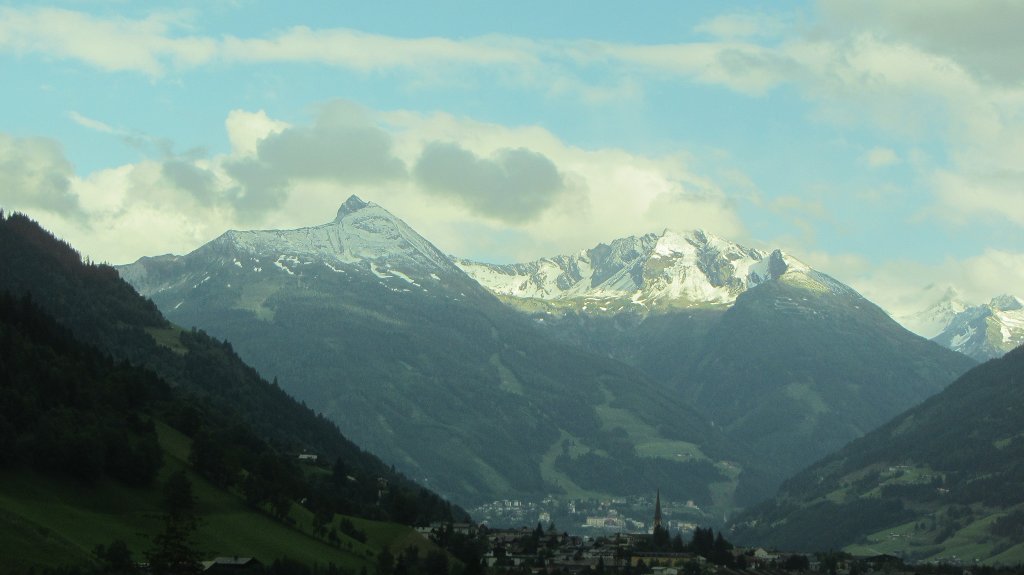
722 554
677 543
385 562
115 559
173 551
703 542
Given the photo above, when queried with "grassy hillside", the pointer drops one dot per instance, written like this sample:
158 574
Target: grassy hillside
48 521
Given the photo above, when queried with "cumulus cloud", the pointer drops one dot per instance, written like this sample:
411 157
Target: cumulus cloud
514 185
343 145
539 195
34 174
186 176
606 193
904 288
978 36
927 74
260 188
246 130
880 157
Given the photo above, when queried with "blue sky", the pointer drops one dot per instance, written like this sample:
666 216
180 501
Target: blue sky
878 141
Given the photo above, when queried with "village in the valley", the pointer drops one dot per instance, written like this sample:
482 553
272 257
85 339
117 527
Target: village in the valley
612 536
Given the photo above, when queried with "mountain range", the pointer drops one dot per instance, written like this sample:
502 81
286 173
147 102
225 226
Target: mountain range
639 274
371 325
674 359
782 357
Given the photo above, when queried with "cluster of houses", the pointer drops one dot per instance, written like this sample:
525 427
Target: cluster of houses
591 516
545 551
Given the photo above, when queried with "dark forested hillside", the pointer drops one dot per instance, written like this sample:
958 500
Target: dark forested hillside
103 464
67 409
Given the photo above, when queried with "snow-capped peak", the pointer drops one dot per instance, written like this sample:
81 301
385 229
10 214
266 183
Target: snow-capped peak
1006 302
671 243
362 234
986 331
668 270
353 204
936 316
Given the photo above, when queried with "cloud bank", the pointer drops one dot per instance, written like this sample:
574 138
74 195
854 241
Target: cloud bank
917 74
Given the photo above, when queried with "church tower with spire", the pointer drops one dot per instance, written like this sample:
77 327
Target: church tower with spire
657 509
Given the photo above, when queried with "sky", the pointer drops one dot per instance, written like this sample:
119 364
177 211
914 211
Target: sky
880 142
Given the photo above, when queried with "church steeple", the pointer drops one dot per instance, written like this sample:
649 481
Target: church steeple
657 510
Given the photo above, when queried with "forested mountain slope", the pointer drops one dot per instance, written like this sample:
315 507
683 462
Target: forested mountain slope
944 479
98 307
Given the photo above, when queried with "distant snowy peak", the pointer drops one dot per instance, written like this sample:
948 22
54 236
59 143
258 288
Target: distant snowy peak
936 317
986 331
361 233
649 272
1006 302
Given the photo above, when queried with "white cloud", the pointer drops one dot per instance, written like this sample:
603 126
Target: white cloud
343 145
246 130
35 175
609 193
905 287
977 35
152 45
368 52
932 75
741 26
113 44
741 66
967 197
880 157
92 124
283 176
